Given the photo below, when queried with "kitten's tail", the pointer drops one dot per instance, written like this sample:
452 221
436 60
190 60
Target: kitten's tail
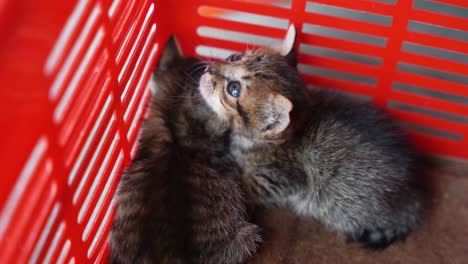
398 226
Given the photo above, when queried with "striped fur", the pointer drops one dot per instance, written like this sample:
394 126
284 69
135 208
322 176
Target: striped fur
180 201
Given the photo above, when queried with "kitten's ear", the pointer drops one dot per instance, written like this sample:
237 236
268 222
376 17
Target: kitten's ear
289 41
170 54
276 116
287 48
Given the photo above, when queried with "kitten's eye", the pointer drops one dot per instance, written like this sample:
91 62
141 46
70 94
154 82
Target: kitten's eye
234 89
235 57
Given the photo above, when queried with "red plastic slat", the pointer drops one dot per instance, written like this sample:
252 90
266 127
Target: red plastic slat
28 74
252 8
225 44
435 63
136 41
438 42
460 3
125 20
432 103
432 83
428 121
440 19
125 36
83 134
46 203
242 27
392 52
78 107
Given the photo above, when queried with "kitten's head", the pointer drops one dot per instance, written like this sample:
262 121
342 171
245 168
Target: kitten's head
255 92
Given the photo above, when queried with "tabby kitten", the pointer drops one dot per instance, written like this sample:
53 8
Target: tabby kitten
179 202
326 157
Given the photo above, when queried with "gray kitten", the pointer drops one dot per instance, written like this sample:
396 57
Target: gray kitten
326 157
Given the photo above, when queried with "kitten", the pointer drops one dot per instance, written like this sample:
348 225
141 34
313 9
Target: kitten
341 162
179 202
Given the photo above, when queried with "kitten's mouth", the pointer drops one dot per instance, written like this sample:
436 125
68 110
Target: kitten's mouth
207 91
205 85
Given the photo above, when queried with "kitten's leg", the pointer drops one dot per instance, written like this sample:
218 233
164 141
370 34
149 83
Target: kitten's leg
144 186
131 229
262 188
270 178
220 232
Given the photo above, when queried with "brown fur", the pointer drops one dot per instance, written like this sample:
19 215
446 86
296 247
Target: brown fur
179 201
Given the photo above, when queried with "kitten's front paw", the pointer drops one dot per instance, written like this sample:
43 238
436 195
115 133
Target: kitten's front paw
377 239
247 238
239 250
260 188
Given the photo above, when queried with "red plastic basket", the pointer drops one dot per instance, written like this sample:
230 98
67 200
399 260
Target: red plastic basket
74 83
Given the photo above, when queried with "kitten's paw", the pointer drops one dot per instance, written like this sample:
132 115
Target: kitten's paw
246 241
377 239
240 249
261 188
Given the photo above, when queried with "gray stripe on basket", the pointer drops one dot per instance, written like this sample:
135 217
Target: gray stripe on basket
213 52
428 112
338 54
336 74
348 13
429 93
343 34
435 52
442 8
448 76
387 1
283 3
438 30
250 18
430 131
236 36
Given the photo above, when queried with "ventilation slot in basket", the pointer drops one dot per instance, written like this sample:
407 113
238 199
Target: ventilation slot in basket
278 3
94 160
102 209
340 13
28 208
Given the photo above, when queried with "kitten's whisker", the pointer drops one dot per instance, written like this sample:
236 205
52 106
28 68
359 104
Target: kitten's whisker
206 59
197 66
202 62
204 65
188 76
